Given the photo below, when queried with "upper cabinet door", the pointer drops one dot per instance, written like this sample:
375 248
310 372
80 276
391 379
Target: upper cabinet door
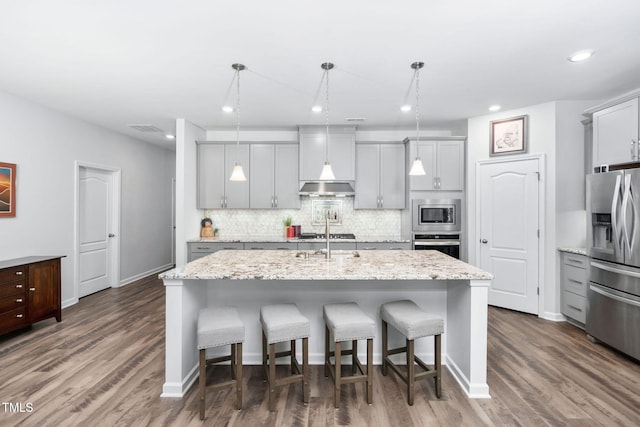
392 176
261 185
286 176
237 192
427 153
450 165
210 186
615 134
367 177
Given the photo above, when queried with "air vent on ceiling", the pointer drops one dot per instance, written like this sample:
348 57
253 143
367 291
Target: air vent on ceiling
146 128
355 119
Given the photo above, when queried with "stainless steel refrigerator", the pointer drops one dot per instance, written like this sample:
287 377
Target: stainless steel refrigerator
613 245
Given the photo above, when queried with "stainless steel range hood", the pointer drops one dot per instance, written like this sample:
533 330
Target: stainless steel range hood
327 188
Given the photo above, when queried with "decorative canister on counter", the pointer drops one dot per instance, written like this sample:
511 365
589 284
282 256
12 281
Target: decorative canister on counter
297 229
206 229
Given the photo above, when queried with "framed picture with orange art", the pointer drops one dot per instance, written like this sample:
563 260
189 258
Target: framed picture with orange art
7 189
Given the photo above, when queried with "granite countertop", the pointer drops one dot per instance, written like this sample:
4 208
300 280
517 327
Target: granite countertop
370 265
577 251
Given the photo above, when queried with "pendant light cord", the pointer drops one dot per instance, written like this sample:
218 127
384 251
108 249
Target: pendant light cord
417 108
238 116
326 159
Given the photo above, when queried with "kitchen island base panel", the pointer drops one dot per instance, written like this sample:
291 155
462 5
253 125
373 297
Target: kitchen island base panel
460 302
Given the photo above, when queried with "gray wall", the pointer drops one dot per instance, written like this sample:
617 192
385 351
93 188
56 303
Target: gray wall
45 145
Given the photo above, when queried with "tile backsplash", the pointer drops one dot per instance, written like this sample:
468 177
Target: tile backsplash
267 223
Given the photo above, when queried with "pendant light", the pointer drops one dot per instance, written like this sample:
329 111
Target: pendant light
417 168
237 174
327 172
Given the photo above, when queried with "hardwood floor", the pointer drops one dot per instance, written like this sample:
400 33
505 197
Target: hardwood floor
104 366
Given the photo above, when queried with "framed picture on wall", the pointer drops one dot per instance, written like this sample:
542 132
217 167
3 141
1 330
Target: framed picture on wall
509 136
7 189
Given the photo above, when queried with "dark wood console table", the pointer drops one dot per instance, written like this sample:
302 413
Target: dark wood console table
30 290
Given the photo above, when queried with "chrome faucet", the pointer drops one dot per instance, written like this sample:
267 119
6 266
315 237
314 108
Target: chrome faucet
326 235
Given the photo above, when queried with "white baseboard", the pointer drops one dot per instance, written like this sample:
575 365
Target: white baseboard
554 317
69 302
139 276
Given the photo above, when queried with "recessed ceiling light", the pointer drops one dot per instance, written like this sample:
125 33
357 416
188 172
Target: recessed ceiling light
169 136
405 108
494 108
227 109
316 108
581 55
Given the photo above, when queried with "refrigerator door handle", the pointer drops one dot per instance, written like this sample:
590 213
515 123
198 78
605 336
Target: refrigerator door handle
614 218
625 202
612 269
610 294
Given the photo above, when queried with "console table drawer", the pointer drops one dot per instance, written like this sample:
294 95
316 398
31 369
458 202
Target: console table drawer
15 274
12 302
11 289
13 319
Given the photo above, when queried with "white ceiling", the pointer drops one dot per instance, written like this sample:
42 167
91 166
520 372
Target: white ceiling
119 62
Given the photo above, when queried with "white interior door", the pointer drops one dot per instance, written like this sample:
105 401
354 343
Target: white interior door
508 201
95 204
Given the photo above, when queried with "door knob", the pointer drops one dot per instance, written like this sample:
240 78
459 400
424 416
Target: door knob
484 241
112 235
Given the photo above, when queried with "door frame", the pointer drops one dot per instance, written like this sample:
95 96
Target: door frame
114 270
541 158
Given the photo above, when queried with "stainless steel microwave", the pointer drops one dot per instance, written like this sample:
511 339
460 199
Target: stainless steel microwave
436 215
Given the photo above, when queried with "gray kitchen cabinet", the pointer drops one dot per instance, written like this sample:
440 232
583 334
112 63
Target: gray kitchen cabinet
215 163
342 152
380 176
574 287
364 246
274 176
200 249
443 162
615 134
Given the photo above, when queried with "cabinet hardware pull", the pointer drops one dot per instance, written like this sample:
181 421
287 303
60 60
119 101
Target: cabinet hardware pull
574 307
32 289
576 281
19 300
19 286
575 261
633 154
19 315
18 273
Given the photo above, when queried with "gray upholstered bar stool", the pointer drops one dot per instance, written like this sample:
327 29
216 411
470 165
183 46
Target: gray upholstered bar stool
408 319
282 323
217 327
347 322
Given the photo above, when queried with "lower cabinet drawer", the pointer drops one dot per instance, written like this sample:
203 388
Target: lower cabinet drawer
11 289
574 306
575 280
12 320
12 302
12 274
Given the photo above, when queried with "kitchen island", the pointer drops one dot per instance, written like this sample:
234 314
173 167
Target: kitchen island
249 279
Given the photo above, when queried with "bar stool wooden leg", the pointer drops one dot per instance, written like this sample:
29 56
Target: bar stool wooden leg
203 382
369 371
385 347
293 356
272 376
411 377
327 351
306 391
438 366
338 356
264 356
238 364
354 356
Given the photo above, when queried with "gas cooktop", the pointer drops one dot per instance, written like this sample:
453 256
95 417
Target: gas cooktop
337 236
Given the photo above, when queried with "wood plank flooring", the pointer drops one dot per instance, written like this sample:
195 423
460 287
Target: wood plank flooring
104 366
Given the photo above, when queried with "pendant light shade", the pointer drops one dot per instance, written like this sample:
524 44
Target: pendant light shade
237 174
417 168
327 171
